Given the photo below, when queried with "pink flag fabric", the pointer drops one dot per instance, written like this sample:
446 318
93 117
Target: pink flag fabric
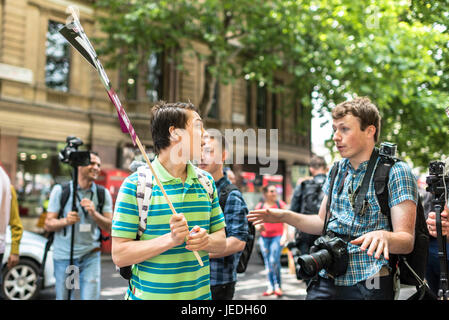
125 124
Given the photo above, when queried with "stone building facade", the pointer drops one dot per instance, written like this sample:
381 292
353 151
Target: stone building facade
48 92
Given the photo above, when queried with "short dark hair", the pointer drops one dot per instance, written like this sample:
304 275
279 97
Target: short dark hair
317 162
165 115
265 188
362 108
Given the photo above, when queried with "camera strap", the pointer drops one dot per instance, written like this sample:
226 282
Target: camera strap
361 194
79 202
333 176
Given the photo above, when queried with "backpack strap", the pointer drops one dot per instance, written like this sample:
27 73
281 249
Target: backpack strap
381 177
65 194
143 195
145 188
333 176
101 191
224 194
205 182
360 197
101 197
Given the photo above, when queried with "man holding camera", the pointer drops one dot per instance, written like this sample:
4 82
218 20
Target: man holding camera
84 274
366 234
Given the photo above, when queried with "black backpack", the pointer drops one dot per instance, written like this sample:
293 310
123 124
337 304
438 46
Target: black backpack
311 195
412 266
246 253
309 202
416 261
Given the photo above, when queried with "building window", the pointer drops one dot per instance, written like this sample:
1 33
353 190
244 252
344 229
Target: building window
57 66
261 112
133 80
274 108
215 107
249 101
38 169
154 89
130 77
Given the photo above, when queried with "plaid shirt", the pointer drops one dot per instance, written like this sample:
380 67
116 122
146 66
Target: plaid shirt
401 186
224 270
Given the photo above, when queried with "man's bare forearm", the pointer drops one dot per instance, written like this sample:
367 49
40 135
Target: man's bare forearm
400 242
55 224
104 221
217 242
233 245
126 252
311 224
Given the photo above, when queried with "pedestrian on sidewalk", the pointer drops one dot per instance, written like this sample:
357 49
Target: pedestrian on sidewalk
88 220
5 205
273 237
16 230
307 199
223 266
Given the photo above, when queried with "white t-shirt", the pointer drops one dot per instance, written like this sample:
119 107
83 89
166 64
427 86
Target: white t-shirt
5 206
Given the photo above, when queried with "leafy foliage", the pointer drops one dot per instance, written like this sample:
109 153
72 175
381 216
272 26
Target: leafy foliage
395 52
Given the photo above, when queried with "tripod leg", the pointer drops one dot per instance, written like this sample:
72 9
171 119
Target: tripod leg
443 293
72 240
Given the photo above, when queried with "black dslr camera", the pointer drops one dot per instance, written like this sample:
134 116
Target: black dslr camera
329 253
72 156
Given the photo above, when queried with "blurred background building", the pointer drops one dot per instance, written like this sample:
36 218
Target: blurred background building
48 92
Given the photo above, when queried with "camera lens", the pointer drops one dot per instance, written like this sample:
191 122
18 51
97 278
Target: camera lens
310 264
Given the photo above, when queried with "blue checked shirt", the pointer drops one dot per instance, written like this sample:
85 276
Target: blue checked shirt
401 186
224 270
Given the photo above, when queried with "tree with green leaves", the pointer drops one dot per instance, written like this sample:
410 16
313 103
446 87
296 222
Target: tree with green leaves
239 35
394 52
381 50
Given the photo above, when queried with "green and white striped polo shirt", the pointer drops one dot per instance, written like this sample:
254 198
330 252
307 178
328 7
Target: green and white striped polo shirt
174 274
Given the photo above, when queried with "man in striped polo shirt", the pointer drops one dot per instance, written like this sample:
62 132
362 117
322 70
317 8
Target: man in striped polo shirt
164 266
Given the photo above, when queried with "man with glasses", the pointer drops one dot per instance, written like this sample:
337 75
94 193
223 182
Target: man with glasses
356 126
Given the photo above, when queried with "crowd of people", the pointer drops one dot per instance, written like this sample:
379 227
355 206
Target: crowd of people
180 228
